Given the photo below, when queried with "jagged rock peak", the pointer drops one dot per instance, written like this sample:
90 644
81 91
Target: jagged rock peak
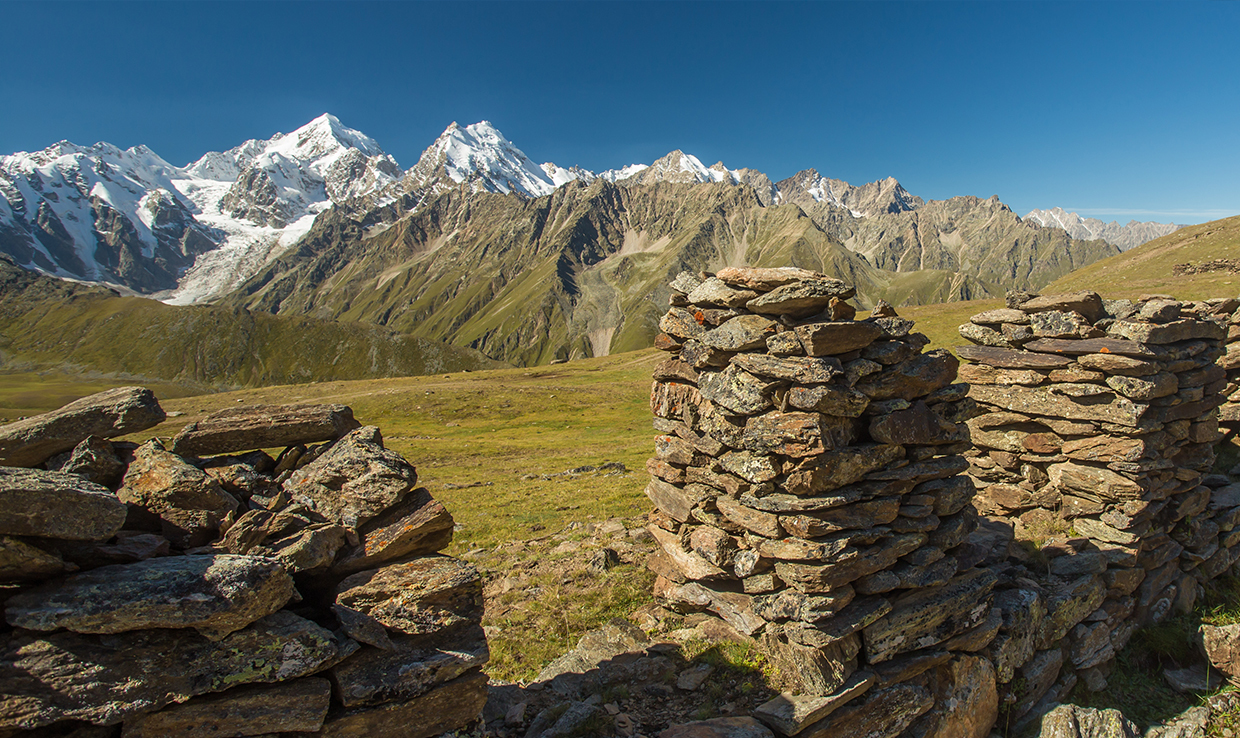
883 196
1126 236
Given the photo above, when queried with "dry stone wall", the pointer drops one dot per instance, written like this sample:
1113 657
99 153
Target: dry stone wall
809 490
1093 446
203 588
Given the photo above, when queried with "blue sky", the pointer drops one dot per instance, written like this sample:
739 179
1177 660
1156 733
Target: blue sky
1117 110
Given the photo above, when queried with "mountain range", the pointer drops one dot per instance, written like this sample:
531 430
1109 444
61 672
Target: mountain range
479 246
1127 236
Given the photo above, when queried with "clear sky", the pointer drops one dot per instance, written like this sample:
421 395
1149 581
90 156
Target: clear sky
1116 110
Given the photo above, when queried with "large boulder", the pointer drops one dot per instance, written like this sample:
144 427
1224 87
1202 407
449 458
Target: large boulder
110 413
263 426
215 595
189 503
57 505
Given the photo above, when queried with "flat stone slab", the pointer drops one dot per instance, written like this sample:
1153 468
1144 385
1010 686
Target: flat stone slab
724 727
1011 359
415 526
765 279
928 616
409 668
106 679
452 705
263 426
57 505
1080 347
297 707
108 414
1103 404
216 595
837 337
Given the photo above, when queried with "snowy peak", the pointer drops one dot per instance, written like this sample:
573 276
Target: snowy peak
874 198
481 156
1125 237
681 168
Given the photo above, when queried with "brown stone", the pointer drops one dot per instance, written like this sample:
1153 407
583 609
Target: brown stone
753 468
689 563
51 504
1173 332
675 369
715 292
1101 449
985 374
1113 363
801 299
839 337
911 379
294 706
415 526
107 414
418 597
22 562
762 523
840 467
1010 359
796 434
928 616
791 713
263 426
859 515
722 727
450 706
1103 406
885 713
736 390
837 400
815 578
765 279
1094 481
966 686
189 503
669 399
811 669
407 667
916 425
682 324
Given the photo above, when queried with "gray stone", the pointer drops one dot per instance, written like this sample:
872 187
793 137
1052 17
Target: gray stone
418 597
925 617
912 379
107 414
743 333
723 727
736 390
355 480
1073 721
830 399
791 713
412 667
215 595
983 335
57 505
108 678
885 713
94 458
837 337
450 706
715 292
800 369
295 706
799 299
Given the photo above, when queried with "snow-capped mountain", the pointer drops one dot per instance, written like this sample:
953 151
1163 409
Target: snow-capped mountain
131 219
868 200
1127 236
99 214
480 156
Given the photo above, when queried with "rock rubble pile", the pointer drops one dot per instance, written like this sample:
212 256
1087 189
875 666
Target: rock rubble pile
810 492
201 587
1094 446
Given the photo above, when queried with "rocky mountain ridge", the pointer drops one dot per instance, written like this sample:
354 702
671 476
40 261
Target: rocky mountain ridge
1127 236
192 234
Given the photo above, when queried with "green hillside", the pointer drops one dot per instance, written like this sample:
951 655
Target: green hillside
49 324
1148 269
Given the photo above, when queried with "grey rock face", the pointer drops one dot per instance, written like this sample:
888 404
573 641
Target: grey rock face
107 414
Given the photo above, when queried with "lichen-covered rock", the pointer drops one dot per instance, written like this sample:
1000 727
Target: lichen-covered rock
447 707
107 414
189 503
108 678
1073 721
297 706
51 504
215 595
409 668
415 526
417 597
355 480
93 458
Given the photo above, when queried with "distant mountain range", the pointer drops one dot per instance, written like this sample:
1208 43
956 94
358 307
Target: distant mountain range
1127 236
479 246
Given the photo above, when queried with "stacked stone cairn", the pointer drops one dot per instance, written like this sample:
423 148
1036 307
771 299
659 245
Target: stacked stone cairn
203 588
809 491
1094 446
1229 412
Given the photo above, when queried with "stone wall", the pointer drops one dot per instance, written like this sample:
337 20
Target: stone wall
201 587
1229 412
810 492
1094 441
